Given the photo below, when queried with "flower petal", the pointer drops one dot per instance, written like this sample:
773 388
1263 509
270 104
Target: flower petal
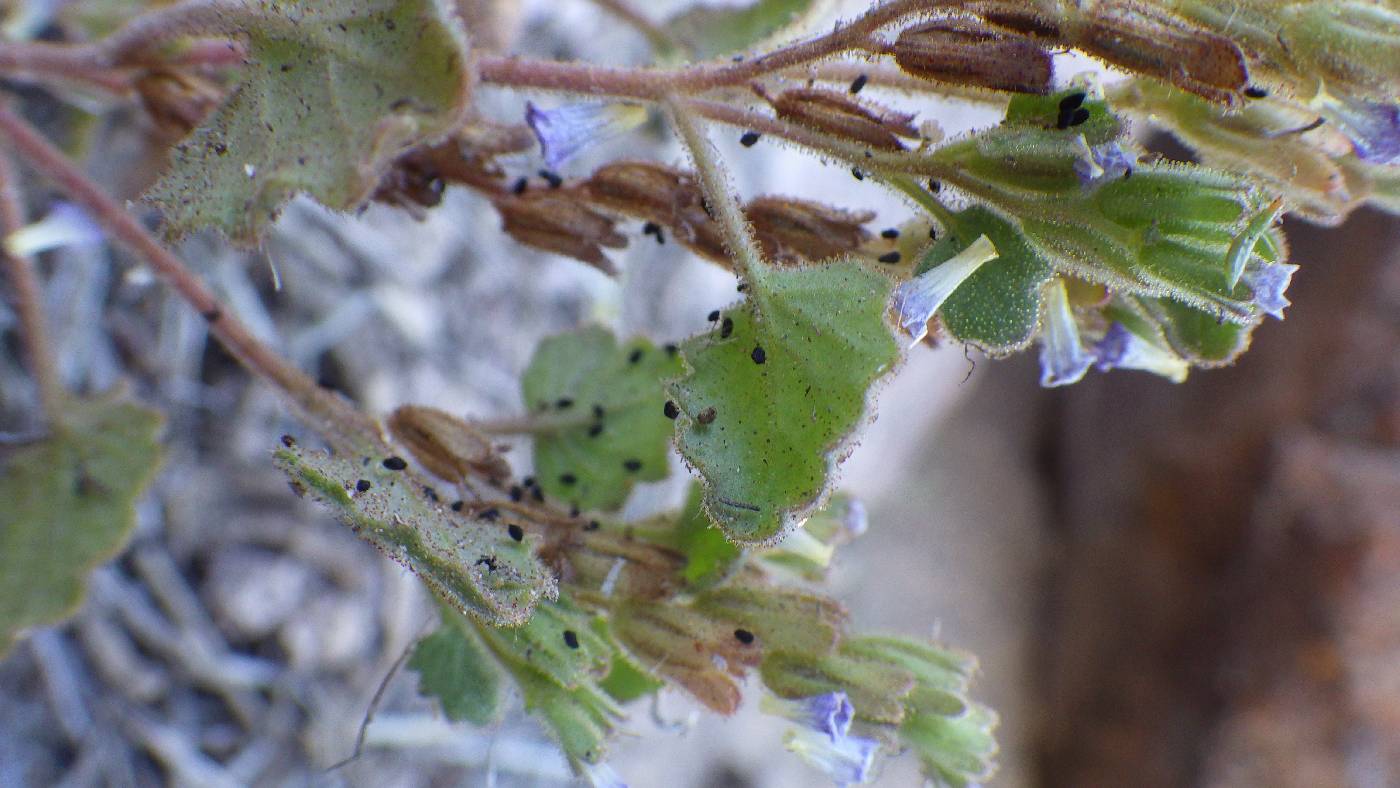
601 775
1063 359
1102 163
916 300
65 225
1373 128
1122 349
829 714
564 131
847 760
1268 283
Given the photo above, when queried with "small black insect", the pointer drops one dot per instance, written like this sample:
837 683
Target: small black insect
1255 92
726 328
889 232
570 638
553 178
934 186
593 525
933 233
563 402
742 286
458 505
595 430
362 485
518 188
758 355
395 463
749 139
537 494
713 316
528 481
516 493
743 636
632 466
860 176
1072 102
670 348
431 493
567 479
858 83
516 532
670 410
635 356
289 441
490 514
892 257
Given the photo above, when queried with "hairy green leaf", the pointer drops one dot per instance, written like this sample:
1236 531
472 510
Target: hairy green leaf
997 308
772 397
473 565
559 641
69 504
710 558
627 680
709 31
600 406
332 93
454 666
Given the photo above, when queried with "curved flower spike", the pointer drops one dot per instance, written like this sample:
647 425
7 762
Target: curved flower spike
564 131
847 760
916 300
1268 283
829 714
65 225
1122 349
1063 359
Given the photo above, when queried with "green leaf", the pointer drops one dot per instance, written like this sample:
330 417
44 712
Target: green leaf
710 31
1200 337
574 377
627 680
69 504
454 666
710 558
779 426
581 719
997 308
473 565
334 90
545 643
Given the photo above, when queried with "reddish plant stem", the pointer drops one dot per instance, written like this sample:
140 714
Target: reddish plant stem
340 423
28 299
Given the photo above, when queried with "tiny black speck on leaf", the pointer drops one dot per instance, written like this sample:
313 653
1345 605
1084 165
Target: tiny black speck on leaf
892 257
395 463
749 139
567 478
516 493
726 328
564 402
743 636
632 466
516 532
458 505
288 441
670 410
713 316
758 355
634 356
362 485
570 638
858 83
889 233
595 430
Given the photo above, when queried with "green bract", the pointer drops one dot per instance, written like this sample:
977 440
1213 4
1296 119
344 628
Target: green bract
69 504
454 666
788 382
333 91
473 565
599 405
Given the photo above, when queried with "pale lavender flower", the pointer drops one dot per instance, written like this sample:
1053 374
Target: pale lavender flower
855 521
564 131
1063 359
916 300
1373 128
829 714
1268 283
65 225
1122 349
847 760
1103 163
601 775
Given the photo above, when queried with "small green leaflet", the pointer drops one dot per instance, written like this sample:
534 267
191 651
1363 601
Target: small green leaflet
559 641
599 405
789 385
710 558
709 31
69 504
333 91
454 666
473 565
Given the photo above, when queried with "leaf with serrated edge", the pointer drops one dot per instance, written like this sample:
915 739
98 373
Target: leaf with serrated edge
473 565
781 425
333 91
603 456
69 504
454 666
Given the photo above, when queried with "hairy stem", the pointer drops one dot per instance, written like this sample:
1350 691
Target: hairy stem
340 423
738 235
28 300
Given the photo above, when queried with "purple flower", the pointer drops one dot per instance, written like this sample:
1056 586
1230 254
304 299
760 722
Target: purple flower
829 714
847 760
601 775
1268 283
1373 128
64 225
564 131
1063 359
1122 349
856 522
916 300
1103 162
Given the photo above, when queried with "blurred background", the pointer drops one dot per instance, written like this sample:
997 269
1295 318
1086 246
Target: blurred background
1166 585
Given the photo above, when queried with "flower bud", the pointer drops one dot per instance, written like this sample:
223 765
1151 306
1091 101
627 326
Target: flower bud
963 53
840 115
1148 40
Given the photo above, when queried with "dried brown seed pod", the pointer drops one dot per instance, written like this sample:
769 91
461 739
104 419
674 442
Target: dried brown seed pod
663 195
841 115
177 101
446 445
559 221
791 230
965 53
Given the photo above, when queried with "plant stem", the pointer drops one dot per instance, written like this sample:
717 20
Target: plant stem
28 300
738 235
343 426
